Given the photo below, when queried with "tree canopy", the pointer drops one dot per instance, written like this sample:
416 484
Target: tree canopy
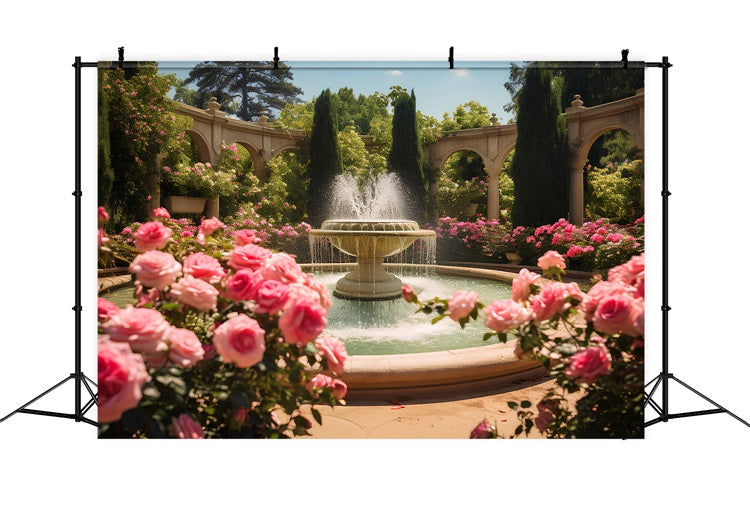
243 89
325 158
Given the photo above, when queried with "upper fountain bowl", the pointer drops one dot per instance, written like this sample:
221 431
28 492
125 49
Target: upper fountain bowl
371 238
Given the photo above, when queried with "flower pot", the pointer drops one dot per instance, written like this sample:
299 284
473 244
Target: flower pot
185 204
471 209
513 257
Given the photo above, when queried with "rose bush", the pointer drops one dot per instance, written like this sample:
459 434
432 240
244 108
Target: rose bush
591 344
224 336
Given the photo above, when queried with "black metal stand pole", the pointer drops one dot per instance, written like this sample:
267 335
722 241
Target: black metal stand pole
664 377
77 377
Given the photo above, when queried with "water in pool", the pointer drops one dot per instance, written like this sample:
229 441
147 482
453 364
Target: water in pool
392 326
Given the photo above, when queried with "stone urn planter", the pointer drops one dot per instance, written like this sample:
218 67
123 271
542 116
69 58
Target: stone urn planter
513 257
185 204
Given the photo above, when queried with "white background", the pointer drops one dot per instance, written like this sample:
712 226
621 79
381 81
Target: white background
688 464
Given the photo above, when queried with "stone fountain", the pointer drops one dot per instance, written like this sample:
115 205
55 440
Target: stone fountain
369 226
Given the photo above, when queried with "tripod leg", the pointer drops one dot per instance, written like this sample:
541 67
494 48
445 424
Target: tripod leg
711 401
24 406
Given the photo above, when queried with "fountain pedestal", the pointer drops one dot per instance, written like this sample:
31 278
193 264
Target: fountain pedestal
370 241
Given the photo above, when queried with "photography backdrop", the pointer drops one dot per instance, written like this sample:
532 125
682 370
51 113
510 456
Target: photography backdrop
505 161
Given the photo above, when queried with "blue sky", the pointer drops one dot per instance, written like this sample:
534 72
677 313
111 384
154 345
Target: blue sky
438 88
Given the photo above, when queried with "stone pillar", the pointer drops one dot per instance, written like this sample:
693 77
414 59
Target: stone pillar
493 193
212 208
576 192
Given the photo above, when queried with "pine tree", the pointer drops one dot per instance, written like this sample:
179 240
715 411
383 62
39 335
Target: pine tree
540 168
405 158
325 159
253 85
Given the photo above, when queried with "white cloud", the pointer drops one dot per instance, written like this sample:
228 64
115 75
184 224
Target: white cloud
394 72
460 73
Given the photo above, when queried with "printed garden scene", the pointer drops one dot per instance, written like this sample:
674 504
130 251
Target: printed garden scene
384 250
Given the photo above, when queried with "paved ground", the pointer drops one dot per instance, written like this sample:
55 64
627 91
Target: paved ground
438 418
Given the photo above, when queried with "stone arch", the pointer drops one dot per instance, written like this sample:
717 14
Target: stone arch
443 159
585 147
258 165
204 151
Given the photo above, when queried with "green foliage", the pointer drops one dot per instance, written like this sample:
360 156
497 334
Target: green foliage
106 175
540 165
244 89
615 192
467 115
142 125
325 160
286 188
405 158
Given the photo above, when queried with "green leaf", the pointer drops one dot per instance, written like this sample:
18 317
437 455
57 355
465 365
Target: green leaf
487 336
519 429
316 415
437 319
525 404
513 405
502 336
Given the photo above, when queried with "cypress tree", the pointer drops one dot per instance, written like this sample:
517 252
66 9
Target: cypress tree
325 159
405 158
540 168
106 175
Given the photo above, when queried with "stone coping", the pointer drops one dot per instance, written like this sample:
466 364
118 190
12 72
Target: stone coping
110 283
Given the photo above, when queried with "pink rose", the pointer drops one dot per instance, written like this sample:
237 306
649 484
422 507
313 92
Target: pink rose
195 293
601 290
160 213
270 297
102 215
637 316
554 299
324 298
521 288
408 293
337 387
152 235
242 285
506 314
185 349
282 267
615 315
631 273
244 237
240 340
185 427
551 259
121 376
101 238
483 431
249 257
209 226
462 304
204 267
302 321
106 309
588 364
156 269
143 328
334 352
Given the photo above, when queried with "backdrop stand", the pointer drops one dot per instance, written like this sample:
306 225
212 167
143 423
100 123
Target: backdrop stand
665 376
77 376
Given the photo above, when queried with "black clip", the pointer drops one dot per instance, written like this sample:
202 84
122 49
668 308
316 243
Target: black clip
666 193
625 59
120 57
450 57
275 57
666 308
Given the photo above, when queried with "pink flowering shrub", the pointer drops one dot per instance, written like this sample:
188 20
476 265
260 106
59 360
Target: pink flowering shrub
224 335
590 343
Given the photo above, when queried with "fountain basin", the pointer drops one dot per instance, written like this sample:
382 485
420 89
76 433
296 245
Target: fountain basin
370 241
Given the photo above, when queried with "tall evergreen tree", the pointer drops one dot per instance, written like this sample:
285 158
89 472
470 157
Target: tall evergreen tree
325 159
405 158
540 168
254 86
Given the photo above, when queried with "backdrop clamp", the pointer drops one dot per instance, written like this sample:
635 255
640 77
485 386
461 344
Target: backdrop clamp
450 57
120 57
275 57
625 58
